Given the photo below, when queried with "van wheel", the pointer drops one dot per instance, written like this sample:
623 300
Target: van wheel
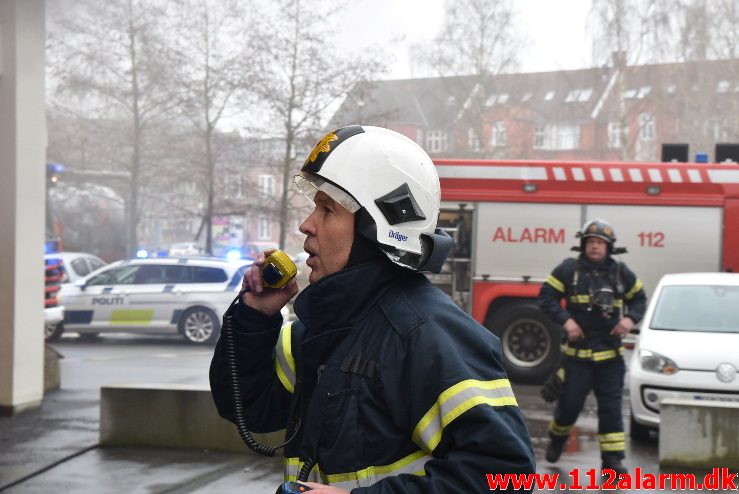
529 341
638 433
199 325
52 332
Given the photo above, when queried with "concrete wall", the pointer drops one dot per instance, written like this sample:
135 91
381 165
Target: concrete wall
168 416
699 434
22 203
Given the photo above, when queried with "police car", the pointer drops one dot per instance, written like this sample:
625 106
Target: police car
153 296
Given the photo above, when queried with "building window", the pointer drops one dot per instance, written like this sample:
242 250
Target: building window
615 138
646 126
473 142
643 92
540 139
500 135
267 185
265 228
436 141
497 98
579 95
557 137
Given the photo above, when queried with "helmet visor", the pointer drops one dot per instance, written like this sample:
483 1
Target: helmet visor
309 184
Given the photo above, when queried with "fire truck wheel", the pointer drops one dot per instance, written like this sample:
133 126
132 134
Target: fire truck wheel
529 341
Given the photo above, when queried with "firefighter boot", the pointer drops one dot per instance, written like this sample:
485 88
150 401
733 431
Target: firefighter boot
614 464
555 448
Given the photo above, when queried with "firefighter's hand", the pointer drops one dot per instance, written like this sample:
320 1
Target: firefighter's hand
573 330
267 300
623 327
324 489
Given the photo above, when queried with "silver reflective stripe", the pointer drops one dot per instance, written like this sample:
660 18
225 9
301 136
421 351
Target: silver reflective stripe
454 402
284 361
412 464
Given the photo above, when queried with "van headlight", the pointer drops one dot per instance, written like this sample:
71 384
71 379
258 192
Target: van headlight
654 362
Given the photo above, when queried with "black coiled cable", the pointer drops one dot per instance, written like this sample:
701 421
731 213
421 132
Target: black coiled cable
305 470
238 408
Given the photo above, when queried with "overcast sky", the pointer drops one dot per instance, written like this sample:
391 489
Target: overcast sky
556 30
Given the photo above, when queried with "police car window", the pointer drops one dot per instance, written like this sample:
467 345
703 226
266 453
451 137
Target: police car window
177 274
79 266
150 274
203 274
95 264
123 275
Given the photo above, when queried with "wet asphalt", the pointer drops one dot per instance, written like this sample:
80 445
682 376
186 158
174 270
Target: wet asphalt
54 449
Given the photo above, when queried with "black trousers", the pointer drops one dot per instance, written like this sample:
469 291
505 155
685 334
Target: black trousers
606 379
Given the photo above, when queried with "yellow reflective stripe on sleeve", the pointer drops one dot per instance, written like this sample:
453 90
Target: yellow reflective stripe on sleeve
291 469
555 283
618 303
454 402
411 464
638 285
284 361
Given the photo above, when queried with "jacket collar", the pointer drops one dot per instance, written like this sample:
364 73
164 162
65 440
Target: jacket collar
588 264
338 299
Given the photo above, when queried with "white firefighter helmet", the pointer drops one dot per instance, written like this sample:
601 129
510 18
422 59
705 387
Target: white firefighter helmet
396 183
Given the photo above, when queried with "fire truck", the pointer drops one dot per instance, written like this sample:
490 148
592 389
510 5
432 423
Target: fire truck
513 222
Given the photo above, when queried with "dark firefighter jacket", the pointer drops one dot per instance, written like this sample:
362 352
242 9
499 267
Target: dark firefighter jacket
399 391
578 281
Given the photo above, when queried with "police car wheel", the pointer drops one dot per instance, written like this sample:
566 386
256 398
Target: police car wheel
199 325
529 341
52 332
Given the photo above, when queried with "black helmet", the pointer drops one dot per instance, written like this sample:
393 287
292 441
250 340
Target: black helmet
597 228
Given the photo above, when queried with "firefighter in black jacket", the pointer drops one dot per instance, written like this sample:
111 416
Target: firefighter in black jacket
604 300
385 385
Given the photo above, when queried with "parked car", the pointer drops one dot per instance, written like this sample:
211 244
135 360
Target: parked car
185 249
76 265
153 296
688 346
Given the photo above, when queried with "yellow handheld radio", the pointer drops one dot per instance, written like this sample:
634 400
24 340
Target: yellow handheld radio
278 270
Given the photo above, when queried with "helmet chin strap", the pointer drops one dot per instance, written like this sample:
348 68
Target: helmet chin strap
364 247
436 246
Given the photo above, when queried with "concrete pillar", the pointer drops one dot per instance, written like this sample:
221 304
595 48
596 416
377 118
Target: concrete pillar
699 434
22 204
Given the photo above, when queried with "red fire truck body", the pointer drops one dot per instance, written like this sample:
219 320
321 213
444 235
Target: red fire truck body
513 222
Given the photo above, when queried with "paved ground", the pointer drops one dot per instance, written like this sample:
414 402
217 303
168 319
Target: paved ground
55 450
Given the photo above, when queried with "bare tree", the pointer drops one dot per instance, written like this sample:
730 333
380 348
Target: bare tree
627 33
216 68
480 39
304 76
707 34
107 61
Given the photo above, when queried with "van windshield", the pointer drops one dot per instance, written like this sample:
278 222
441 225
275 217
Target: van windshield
707 308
